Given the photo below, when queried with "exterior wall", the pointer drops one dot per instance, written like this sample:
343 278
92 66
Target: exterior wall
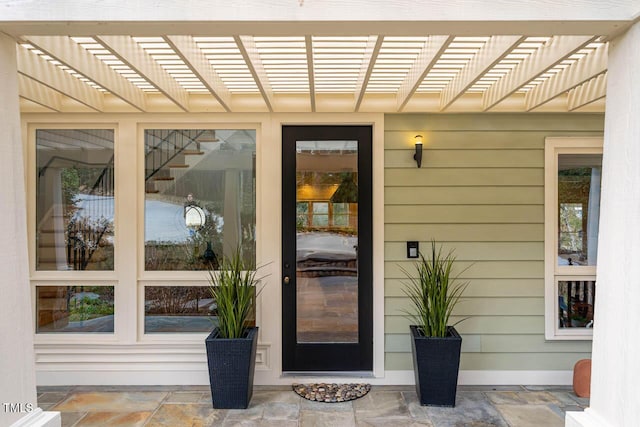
480 191
138 358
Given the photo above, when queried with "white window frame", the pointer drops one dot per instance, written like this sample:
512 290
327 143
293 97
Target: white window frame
64 277
181 278
553 273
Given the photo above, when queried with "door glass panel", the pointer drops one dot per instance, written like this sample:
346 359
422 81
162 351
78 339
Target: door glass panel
327 241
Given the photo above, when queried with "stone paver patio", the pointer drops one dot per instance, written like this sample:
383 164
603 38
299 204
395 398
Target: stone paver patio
190 406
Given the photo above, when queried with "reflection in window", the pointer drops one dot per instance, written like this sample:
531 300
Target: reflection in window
575 303
200 197
341 214
74 199
578 208
178 309
302 215
74 309
326 241
320 214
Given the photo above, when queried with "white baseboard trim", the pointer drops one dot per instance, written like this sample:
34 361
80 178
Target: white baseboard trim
201 377
122 377
588 418
39 418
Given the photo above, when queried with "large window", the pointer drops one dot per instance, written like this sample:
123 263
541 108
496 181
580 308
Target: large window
200 205
200 200
573 169
74 199
196 193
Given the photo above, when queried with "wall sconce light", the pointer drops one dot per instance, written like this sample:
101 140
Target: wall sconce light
418 155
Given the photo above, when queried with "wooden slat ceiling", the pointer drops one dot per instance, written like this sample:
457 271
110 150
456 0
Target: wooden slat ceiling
313 73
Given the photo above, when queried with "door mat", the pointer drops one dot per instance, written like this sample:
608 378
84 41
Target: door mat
331 393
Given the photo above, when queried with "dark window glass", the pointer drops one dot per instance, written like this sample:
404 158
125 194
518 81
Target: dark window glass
178 309
74 309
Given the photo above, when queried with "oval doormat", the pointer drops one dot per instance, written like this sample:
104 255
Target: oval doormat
331 393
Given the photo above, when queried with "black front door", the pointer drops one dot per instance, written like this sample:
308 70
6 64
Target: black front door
327 251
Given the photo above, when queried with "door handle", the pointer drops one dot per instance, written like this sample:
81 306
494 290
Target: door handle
286 280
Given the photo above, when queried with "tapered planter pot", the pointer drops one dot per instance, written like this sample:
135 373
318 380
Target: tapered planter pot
436 362
231 368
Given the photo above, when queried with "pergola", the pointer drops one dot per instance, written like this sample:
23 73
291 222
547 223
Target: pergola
283 56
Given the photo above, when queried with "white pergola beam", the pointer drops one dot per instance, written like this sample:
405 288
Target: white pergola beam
74 56
428 56
582 70
121 13
39 93
187 49
368 62
587 92
52 76
545 57
249 51
494 50
128 51
310 67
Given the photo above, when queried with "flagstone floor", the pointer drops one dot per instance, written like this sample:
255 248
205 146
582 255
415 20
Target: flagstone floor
396 406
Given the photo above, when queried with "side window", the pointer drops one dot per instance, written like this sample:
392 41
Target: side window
573 170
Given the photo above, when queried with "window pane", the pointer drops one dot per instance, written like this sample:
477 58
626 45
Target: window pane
74 309
320 214
302 214
341 214
178 309
578 208
575 303
200 197
74 199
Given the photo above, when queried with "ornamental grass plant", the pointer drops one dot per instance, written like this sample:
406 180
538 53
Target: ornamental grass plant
234 289
434 291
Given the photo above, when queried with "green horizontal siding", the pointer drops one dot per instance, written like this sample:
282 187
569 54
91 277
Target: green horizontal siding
464 232
498 343
476 306
457 177
465 140
478 325
496 158
475 251
509 361
551 123
487 214
483 288
478 269
447 195
480 192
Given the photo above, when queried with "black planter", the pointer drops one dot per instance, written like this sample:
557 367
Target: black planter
436 362
231 367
